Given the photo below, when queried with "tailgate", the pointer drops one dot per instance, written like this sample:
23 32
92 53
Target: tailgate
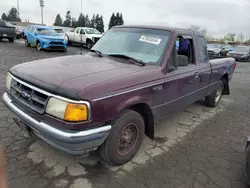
7 31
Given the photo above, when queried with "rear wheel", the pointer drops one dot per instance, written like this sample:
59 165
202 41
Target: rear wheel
124 139
38 46
11 39
214 99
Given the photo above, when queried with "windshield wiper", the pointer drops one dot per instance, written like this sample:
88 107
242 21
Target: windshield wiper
97 52
136 61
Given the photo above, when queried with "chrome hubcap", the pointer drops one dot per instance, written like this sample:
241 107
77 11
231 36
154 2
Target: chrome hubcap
38 46
218 95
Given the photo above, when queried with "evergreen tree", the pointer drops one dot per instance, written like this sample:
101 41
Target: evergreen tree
97 21
58 20
101 25
4 17
81 21
74 23
117 19
93 21
13 15
87 21
112 21
121 19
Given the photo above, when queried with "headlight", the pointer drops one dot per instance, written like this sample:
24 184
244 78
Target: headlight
67 111
243 56
8 82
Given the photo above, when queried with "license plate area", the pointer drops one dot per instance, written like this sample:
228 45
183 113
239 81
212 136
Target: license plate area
23 126
5 35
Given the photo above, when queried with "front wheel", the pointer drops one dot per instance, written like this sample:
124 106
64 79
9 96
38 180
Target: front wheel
11 39
89 44
214 99
26 42
124 139
38 46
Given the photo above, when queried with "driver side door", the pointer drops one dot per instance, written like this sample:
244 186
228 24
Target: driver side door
32 36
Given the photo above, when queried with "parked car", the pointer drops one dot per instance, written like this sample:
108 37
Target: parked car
111 96
19 30
84 35
62 30
214 49
44 37
240 53
225 49
7 31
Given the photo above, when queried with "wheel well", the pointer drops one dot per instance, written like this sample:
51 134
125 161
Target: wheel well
88 40
225 80
145 111
37 41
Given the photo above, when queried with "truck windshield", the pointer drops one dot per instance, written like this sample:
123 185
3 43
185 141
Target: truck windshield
92 31
46 31
146 44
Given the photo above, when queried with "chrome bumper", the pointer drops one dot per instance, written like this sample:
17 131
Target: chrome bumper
71 142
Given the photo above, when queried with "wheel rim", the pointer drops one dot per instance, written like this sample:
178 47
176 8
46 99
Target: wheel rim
39 46
127 140
218 95
89 45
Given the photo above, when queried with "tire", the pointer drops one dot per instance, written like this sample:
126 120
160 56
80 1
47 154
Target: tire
69 42
89 44
26 42
11 39
110 150
38 46
214 99
247 166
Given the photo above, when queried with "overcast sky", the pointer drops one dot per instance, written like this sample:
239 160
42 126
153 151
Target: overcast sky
217 16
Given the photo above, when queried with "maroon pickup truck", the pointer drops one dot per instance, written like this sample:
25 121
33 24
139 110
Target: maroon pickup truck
110 97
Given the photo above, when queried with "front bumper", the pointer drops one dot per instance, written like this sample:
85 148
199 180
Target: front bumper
68 141
54 47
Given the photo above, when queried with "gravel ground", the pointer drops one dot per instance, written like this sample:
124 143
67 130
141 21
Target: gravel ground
196 147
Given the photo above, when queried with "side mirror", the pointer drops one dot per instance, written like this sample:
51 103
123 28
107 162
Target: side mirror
82 32
35 34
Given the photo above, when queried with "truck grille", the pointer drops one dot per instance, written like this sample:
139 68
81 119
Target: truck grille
29 97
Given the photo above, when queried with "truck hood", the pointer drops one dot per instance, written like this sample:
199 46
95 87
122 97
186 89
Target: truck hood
69 75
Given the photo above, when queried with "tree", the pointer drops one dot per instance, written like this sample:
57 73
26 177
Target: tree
121 19
101 25
4 17
67 22
230 36
81 21
93 21
58 20
13 15
74 23
87 21
112 21
240 37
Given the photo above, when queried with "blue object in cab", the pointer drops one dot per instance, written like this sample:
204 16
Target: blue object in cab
44 37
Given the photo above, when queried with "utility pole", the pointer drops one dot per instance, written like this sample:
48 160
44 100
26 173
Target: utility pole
18 13
41 5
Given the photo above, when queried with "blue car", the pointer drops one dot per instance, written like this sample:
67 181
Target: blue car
44 38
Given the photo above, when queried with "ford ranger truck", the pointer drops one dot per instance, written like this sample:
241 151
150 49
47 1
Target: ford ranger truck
109 98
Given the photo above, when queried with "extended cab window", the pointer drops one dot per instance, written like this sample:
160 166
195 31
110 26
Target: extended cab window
202 49
183 53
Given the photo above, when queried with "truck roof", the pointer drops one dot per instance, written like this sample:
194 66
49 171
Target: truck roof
167 28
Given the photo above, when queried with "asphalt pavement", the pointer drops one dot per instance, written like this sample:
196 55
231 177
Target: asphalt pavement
197 147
